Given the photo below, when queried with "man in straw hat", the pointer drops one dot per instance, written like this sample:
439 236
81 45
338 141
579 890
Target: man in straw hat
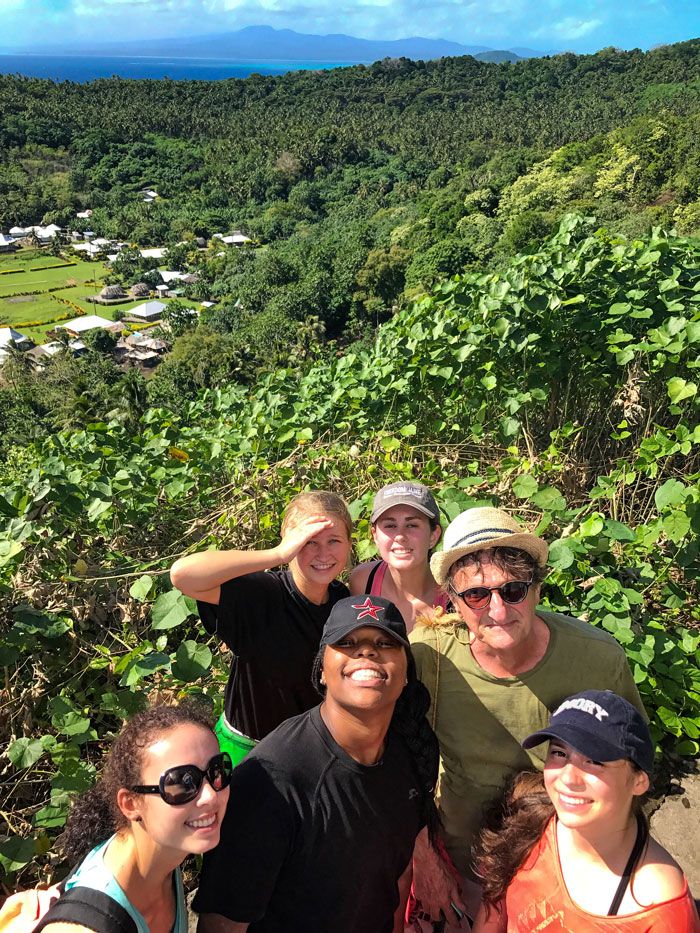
495 670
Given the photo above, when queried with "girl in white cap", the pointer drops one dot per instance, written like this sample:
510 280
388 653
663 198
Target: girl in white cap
405 528
573 851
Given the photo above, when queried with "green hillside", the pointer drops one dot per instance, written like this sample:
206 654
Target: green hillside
562 387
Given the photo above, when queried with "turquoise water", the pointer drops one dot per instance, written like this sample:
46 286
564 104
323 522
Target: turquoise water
88 68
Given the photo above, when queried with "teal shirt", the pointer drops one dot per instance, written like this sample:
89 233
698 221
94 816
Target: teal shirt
94 873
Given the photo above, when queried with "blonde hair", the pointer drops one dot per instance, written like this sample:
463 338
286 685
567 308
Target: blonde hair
318 502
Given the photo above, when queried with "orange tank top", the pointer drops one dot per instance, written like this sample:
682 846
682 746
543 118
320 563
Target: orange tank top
537 901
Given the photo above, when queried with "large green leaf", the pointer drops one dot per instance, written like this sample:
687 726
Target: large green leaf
16 852
560 555
25 752
525 486
31 621
141 588
143 667
676 526
171 609
679 389
192 661
673 492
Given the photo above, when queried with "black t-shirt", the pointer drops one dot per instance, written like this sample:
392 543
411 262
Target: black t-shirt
273 631
312 840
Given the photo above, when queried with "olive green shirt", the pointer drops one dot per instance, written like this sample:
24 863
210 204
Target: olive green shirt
480 720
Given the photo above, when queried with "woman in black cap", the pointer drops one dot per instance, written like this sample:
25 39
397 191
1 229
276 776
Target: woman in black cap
405 528
328 805
574 851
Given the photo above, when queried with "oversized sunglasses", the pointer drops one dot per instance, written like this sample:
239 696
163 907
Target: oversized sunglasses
182 783
479 597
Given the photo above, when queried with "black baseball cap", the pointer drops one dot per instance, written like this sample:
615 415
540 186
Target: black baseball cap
602 726
358 611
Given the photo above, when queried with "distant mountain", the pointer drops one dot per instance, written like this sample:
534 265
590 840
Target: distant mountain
263 43
522 52
498 56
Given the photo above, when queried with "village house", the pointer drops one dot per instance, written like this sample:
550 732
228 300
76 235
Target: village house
110 295
90 249
82 325
39 355
233 239
150 311
43 234
10 337
140 350
8 244
84 215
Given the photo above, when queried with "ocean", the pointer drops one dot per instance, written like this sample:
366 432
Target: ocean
87 68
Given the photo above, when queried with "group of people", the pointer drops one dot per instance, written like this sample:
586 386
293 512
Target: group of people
373 732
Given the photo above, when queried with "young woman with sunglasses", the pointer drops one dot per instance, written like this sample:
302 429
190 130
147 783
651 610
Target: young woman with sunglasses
405 528
572 850
161 797
271 619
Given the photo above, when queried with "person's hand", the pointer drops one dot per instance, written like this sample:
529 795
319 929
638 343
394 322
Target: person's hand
298 535
435 886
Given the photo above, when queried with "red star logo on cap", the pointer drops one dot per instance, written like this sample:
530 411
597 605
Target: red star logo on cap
368 609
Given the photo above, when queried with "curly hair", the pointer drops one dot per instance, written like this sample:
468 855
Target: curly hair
94 815
318 501
410 721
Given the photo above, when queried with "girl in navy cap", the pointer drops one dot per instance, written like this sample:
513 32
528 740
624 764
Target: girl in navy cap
573 851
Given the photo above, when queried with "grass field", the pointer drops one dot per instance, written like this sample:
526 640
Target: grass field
42 305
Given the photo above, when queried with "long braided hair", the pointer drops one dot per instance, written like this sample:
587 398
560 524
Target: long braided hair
410 721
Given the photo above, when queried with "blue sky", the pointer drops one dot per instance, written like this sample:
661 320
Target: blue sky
578 25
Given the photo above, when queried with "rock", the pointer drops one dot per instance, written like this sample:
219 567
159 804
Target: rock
676 825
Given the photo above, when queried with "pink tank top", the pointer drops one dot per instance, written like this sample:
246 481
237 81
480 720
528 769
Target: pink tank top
376 581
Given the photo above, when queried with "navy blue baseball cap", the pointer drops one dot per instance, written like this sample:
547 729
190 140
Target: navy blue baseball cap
602 726
357 611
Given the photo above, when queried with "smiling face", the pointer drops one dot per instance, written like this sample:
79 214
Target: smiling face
587 793
500 626
324 557
193 827
364 671
404 537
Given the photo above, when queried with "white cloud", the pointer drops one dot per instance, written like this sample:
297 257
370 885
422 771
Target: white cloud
569 28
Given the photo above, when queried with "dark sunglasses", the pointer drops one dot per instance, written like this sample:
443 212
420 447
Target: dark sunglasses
182 783
479 597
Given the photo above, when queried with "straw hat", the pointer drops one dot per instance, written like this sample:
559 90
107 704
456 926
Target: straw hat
481 528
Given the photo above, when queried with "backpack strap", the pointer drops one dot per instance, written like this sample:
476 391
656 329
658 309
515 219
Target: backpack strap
89 908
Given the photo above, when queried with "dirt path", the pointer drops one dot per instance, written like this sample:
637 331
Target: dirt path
676 824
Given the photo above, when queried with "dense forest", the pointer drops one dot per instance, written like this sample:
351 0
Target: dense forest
483 276
361 187
561 387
